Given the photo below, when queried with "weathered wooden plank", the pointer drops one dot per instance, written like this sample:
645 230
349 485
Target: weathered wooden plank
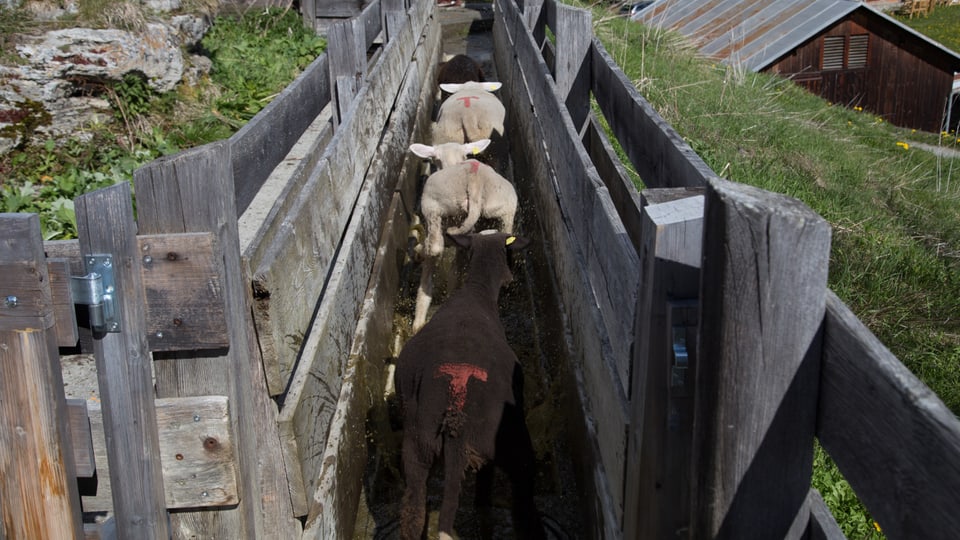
659 155
605 414
193 192
336 8
264 220
263 142
626 198
574 33
890 435
757 378
182 287
315 389
822 526
345 454
198 455
105 225
599 231
661 422
65 315
81 439
348 64
37 475
203 466
314 226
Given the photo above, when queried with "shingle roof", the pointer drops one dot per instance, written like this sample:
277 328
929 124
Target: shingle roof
755 33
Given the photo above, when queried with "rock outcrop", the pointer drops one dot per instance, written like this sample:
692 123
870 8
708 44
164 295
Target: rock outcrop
57 87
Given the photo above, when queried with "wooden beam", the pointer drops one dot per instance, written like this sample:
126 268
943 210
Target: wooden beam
181 275
105 225
762 304
38 490
890 435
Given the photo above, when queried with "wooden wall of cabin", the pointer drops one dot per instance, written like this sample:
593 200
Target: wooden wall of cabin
906 81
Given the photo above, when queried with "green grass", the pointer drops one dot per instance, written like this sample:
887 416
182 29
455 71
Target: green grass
254 57
942 25
895 257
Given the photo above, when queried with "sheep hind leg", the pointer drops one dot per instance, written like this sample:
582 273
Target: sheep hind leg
454 468
413 508
424 293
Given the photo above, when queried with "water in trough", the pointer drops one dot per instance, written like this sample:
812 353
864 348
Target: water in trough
529 311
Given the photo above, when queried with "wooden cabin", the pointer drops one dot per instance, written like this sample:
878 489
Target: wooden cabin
845 51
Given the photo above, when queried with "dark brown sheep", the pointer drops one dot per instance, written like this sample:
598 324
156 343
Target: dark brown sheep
460 389
459 69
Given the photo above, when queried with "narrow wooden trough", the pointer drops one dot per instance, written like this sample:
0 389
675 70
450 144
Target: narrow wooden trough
268 286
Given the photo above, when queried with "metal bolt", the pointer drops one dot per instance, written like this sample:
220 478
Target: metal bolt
159 335
196 418
107 263
147 259
204 494
109 289
12 301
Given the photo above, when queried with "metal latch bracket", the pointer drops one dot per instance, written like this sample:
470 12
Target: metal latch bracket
97 290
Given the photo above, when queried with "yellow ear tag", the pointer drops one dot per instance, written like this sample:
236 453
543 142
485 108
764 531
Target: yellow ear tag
476 151
510 239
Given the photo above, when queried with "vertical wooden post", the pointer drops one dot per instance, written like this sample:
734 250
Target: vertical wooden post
106 226
38 485
346 47
661 421
763 296
574 33
193 191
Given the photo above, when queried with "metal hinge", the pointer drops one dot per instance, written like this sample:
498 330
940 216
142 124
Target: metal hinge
97 290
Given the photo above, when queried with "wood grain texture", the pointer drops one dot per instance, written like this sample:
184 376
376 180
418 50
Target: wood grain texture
182 285
318 389
756 397
37 474
892 438
661 421
534 112
297 264
193 192
105 225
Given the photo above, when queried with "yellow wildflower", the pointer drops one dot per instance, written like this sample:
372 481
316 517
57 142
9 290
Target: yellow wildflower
903 145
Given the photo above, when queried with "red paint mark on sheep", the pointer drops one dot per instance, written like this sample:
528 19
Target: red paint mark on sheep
474 166
466 100
460 375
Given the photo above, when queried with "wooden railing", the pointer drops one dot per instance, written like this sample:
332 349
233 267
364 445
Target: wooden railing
739 355
706 351
204 293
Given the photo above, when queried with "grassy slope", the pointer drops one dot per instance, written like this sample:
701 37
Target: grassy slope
896 230
896 243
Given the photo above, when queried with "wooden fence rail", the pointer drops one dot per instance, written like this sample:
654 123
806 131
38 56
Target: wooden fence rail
810 369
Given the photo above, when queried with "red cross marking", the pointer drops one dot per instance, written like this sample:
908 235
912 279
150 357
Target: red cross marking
460 375
466 100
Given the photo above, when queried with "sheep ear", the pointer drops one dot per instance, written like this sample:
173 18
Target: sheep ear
477 146
447 57
423 150
517 242
450 88
492 86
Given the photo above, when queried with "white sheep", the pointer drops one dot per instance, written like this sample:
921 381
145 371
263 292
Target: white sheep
468 187
451 153
471 113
